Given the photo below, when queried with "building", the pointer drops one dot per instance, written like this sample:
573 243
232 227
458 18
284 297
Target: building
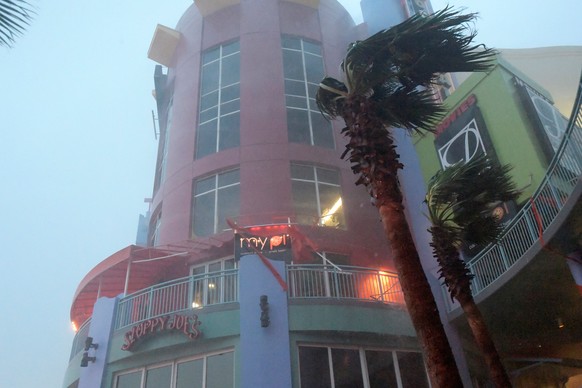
243 146
525 283
227 291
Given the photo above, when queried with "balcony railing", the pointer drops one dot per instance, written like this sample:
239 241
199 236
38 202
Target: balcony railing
305 281
537 215
80 337
177 295
325 281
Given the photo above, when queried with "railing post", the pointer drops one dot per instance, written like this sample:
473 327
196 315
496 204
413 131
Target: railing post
150 295
503 256
379 276
336 283
326 275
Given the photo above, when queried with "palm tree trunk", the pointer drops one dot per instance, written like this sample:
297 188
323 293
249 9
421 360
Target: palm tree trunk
458 280
441 365
483 339
373 156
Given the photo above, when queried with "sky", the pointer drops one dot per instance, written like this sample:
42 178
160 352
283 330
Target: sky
79 151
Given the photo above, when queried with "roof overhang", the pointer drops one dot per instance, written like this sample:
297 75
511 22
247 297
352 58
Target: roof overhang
163 45
207 7
135 268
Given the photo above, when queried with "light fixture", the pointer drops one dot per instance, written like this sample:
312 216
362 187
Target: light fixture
196 305
264 303
327 215
85 360
560 323
89 344
211 285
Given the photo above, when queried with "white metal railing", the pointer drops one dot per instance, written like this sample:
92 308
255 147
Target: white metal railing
536 215
80 337
196 291
343 282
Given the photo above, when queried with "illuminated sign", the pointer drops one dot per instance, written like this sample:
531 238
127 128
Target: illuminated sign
462 135
463 107
276 247
188 325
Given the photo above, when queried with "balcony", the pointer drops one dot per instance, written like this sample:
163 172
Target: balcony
538 221
315 283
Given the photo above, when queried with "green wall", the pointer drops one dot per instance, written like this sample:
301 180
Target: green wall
512 136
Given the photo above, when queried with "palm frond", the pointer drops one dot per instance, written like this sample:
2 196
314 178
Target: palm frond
407 108
416 50
15 15
463 196
330 96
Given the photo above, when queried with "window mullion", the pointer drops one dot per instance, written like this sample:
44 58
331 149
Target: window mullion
364 365
331 374
306 88
218 107
316 179
396 369
215 228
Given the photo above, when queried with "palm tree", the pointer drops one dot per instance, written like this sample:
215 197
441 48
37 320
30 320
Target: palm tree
460 204
386 80
15 15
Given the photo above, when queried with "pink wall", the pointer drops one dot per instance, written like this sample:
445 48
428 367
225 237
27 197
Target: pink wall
264 154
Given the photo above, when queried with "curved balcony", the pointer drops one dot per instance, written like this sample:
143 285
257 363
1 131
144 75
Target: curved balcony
539 219
221 287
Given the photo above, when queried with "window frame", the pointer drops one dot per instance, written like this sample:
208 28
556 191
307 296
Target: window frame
317 183
219 105
174 368
363 361
209 279
215 190
310 106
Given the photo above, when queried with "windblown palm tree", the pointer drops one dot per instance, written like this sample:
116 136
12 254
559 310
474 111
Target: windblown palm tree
460 203
15 15
385 85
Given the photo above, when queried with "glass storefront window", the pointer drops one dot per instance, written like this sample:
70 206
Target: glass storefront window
322 366
208 371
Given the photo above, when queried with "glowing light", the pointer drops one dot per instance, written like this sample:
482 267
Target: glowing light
196 305
327 215
211 285
74 326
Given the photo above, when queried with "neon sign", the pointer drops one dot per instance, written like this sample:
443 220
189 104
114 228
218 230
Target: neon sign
188 325
463 107
277 247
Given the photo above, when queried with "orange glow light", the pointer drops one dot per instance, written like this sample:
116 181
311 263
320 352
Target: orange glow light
74 326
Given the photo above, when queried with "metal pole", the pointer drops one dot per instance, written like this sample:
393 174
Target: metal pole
127 277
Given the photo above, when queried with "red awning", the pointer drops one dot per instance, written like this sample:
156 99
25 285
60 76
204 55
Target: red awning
146 266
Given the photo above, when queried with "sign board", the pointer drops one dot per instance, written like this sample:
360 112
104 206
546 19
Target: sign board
459 138
187 325
275 247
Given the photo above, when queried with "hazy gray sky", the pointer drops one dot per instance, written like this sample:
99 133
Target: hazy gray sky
79 152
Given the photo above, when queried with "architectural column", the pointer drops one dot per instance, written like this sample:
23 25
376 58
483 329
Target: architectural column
265 351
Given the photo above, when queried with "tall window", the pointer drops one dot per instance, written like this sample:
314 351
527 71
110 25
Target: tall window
163 148
321 366
209 371
219 119
155 226
303 71
166 140
317 196
216 198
